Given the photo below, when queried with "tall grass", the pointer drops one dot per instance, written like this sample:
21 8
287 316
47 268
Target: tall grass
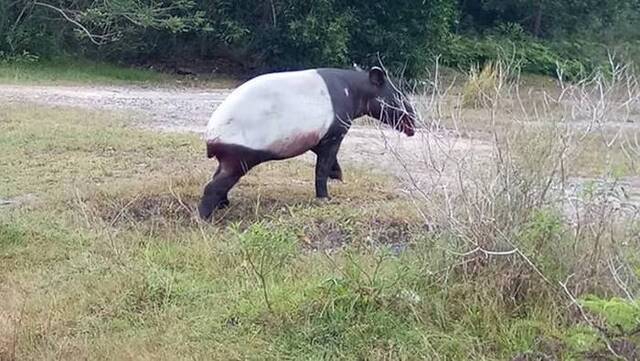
522 215
481 85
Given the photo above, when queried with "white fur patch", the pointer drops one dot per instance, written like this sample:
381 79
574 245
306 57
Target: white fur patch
280 112
346 91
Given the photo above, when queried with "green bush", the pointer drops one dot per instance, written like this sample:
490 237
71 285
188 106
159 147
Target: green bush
530 55
618 314
251 36
254 35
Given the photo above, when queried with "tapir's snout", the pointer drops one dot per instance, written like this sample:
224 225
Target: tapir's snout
407 125
408 130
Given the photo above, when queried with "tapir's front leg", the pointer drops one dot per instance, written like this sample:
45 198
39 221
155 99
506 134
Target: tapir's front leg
336 171
325 162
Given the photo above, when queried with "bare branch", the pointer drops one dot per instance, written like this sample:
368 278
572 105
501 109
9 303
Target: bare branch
96 39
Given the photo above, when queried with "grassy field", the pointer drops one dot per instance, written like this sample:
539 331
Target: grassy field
81 72
102 258
102 255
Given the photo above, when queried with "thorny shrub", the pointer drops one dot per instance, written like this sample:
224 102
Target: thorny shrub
525 198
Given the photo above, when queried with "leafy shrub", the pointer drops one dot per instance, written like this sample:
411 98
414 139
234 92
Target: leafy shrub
266 251
618 313
255 35
530 55
22 58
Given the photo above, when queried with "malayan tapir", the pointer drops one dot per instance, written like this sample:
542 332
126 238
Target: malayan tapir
282 115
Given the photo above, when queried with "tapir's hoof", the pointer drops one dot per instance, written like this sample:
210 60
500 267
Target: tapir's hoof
223 204
205 212
336 176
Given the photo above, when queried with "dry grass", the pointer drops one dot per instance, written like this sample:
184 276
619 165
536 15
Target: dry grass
481 85
527 211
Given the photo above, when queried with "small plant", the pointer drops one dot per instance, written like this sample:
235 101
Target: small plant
368 285
481 86
619 314
266 251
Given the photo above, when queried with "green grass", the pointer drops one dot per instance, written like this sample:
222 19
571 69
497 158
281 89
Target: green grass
107 261
67 71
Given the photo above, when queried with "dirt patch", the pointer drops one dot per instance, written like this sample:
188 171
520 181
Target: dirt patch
324 234
165 210
152 209
396 234
170 108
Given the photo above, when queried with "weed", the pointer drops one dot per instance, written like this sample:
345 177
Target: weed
267 252
481 85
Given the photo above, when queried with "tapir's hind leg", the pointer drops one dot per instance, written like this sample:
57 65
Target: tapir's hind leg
335 171
216 191
235 161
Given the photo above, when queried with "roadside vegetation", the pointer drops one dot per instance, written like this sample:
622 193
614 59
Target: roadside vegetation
65 70
247 37
69 71
505 257
510 232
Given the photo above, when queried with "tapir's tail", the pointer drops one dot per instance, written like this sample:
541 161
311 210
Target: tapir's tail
217 149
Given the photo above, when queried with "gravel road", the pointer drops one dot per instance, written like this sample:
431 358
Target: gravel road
188 109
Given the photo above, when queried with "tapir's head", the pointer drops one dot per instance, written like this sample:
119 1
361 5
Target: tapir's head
389 104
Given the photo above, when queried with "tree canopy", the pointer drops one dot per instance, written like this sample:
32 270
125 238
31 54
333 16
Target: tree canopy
261 35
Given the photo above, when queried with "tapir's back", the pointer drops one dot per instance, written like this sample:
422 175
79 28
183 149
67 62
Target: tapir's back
284 113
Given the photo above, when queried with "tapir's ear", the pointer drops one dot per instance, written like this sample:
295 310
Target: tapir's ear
377 76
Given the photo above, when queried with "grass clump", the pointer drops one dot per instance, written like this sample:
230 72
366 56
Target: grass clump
619 314
481 85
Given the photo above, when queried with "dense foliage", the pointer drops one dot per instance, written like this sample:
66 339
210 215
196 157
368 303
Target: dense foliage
256 35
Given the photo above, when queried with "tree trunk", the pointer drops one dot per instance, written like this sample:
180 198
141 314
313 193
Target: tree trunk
537 22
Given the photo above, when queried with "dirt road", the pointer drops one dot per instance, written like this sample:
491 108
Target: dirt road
187 110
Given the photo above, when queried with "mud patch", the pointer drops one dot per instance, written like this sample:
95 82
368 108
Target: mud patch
324 234
169 210
391 232
154 209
